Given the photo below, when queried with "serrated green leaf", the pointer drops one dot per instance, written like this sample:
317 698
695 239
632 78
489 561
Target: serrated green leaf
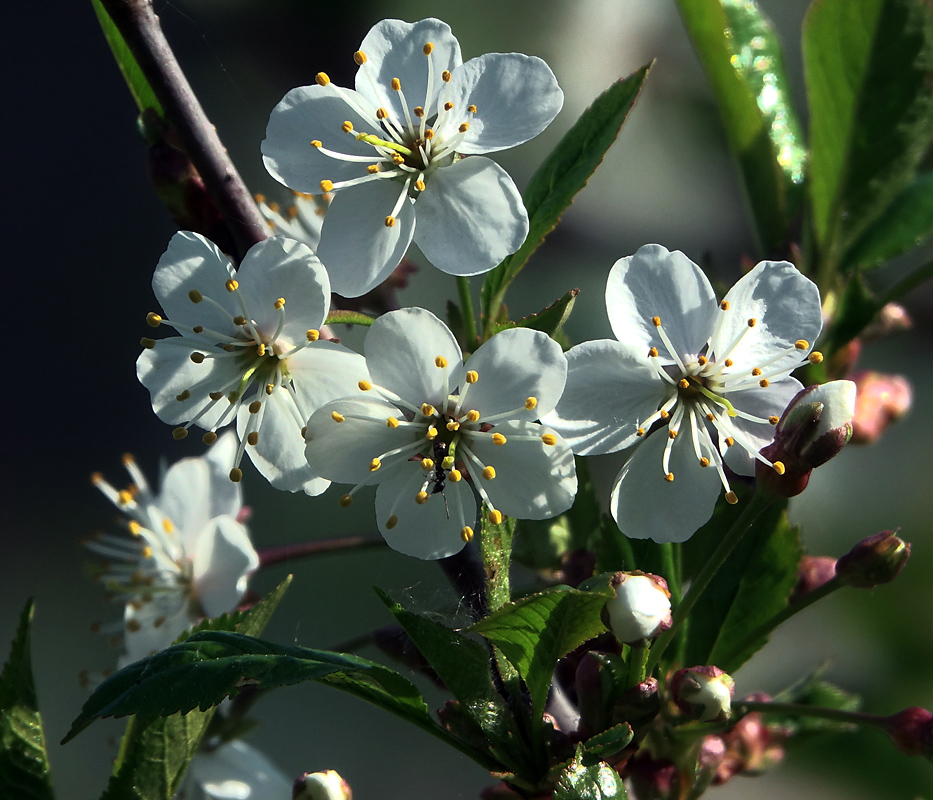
564 173
135 79
718 604
606 744
596 782
24 763
549 320
906 223
155 753
743 61
868 68
536 631
814 691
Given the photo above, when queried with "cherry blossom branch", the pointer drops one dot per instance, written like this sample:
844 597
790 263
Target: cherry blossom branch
319 547
139 26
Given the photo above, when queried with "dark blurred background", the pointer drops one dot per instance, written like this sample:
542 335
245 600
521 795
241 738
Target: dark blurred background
86 232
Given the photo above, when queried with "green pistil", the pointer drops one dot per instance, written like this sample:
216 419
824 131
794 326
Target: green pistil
720 401
375 141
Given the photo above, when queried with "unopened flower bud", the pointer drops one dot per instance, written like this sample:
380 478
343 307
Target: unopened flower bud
816 425
654 778
641 607
893 318
812 573
704 693
321 786
638 706
875 560
911 730
882 400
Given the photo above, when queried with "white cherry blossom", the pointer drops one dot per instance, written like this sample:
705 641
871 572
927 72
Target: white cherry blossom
234 770
432 429
700 384
250 350
390 150
185 556
301 219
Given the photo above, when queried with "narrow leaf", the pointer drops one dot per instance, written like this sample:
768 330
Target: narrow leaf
536 631
868 68
564 173
596 782
24 762
549 320
743 61
135 79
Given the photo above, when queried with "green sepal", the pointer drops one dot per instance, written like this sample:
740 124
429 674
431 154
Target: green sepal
340 316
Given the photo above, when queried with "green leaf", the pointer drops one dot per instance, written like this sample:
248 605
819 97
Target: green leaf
155 753
906 223
607 743
752 585
855 308
596 782
549 320
24 763
564 173
135 79
814 691
536 631
743 61
868 69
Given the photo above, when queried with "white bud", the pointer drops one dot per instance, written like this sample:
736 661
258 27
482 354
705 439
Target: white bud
326 785
704 693
641 608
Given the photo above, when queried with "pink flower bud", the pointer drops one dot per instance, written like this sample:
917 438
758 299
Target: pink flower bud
882 400
704 693
812 573
875 560
911 730
641 607
321 786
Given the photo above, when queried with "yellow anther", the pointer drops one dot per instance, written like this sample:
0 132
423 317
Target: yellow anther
239 319
391 422
270 388
653 352
756 372
774 419
124 497
381 113
454 475
448 106
396 85
702 361
391 522
260 349
779 467
445 76
471 108
431 434
421 498
731 498
656 321
489 473
728 362
195 296
158 622
672 434
420 185
752 322
337 416
198 329
215 396
183 396
495 516
498 438
427 464
259 198
472 415
346 127
428 133
374 464
252 438
147 342
466 533
530 403
397 159
359 57
801 344
327 186
472 376
418 111
153 320
815 357
730 442
279 304
316 143
209 438
724 305
135 527
669 477
365 386
427 409
704 461
345 500
312 335
321 79
464 127
683 383
453 425
428 47
133 625
255 406
390 221
232 284
549 439
179 433
372 169
638 432
440 362
274 207
764 383
236 475
663 414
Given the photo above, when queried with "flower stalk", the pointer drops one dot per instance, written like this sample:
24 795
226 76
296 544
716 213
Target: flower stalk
469 315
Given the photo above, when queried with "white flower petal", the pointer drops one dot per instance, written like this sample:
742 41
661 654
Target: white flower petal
516 97
401 348
786 306
236 771
359 249
311 113
223 559
167 371
226 497
193 262
470 217
646 506
657 283
343 451
325 371
170 610
533 480
610 390
183 499
279 267
395 49
512 366
761 403
423 530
